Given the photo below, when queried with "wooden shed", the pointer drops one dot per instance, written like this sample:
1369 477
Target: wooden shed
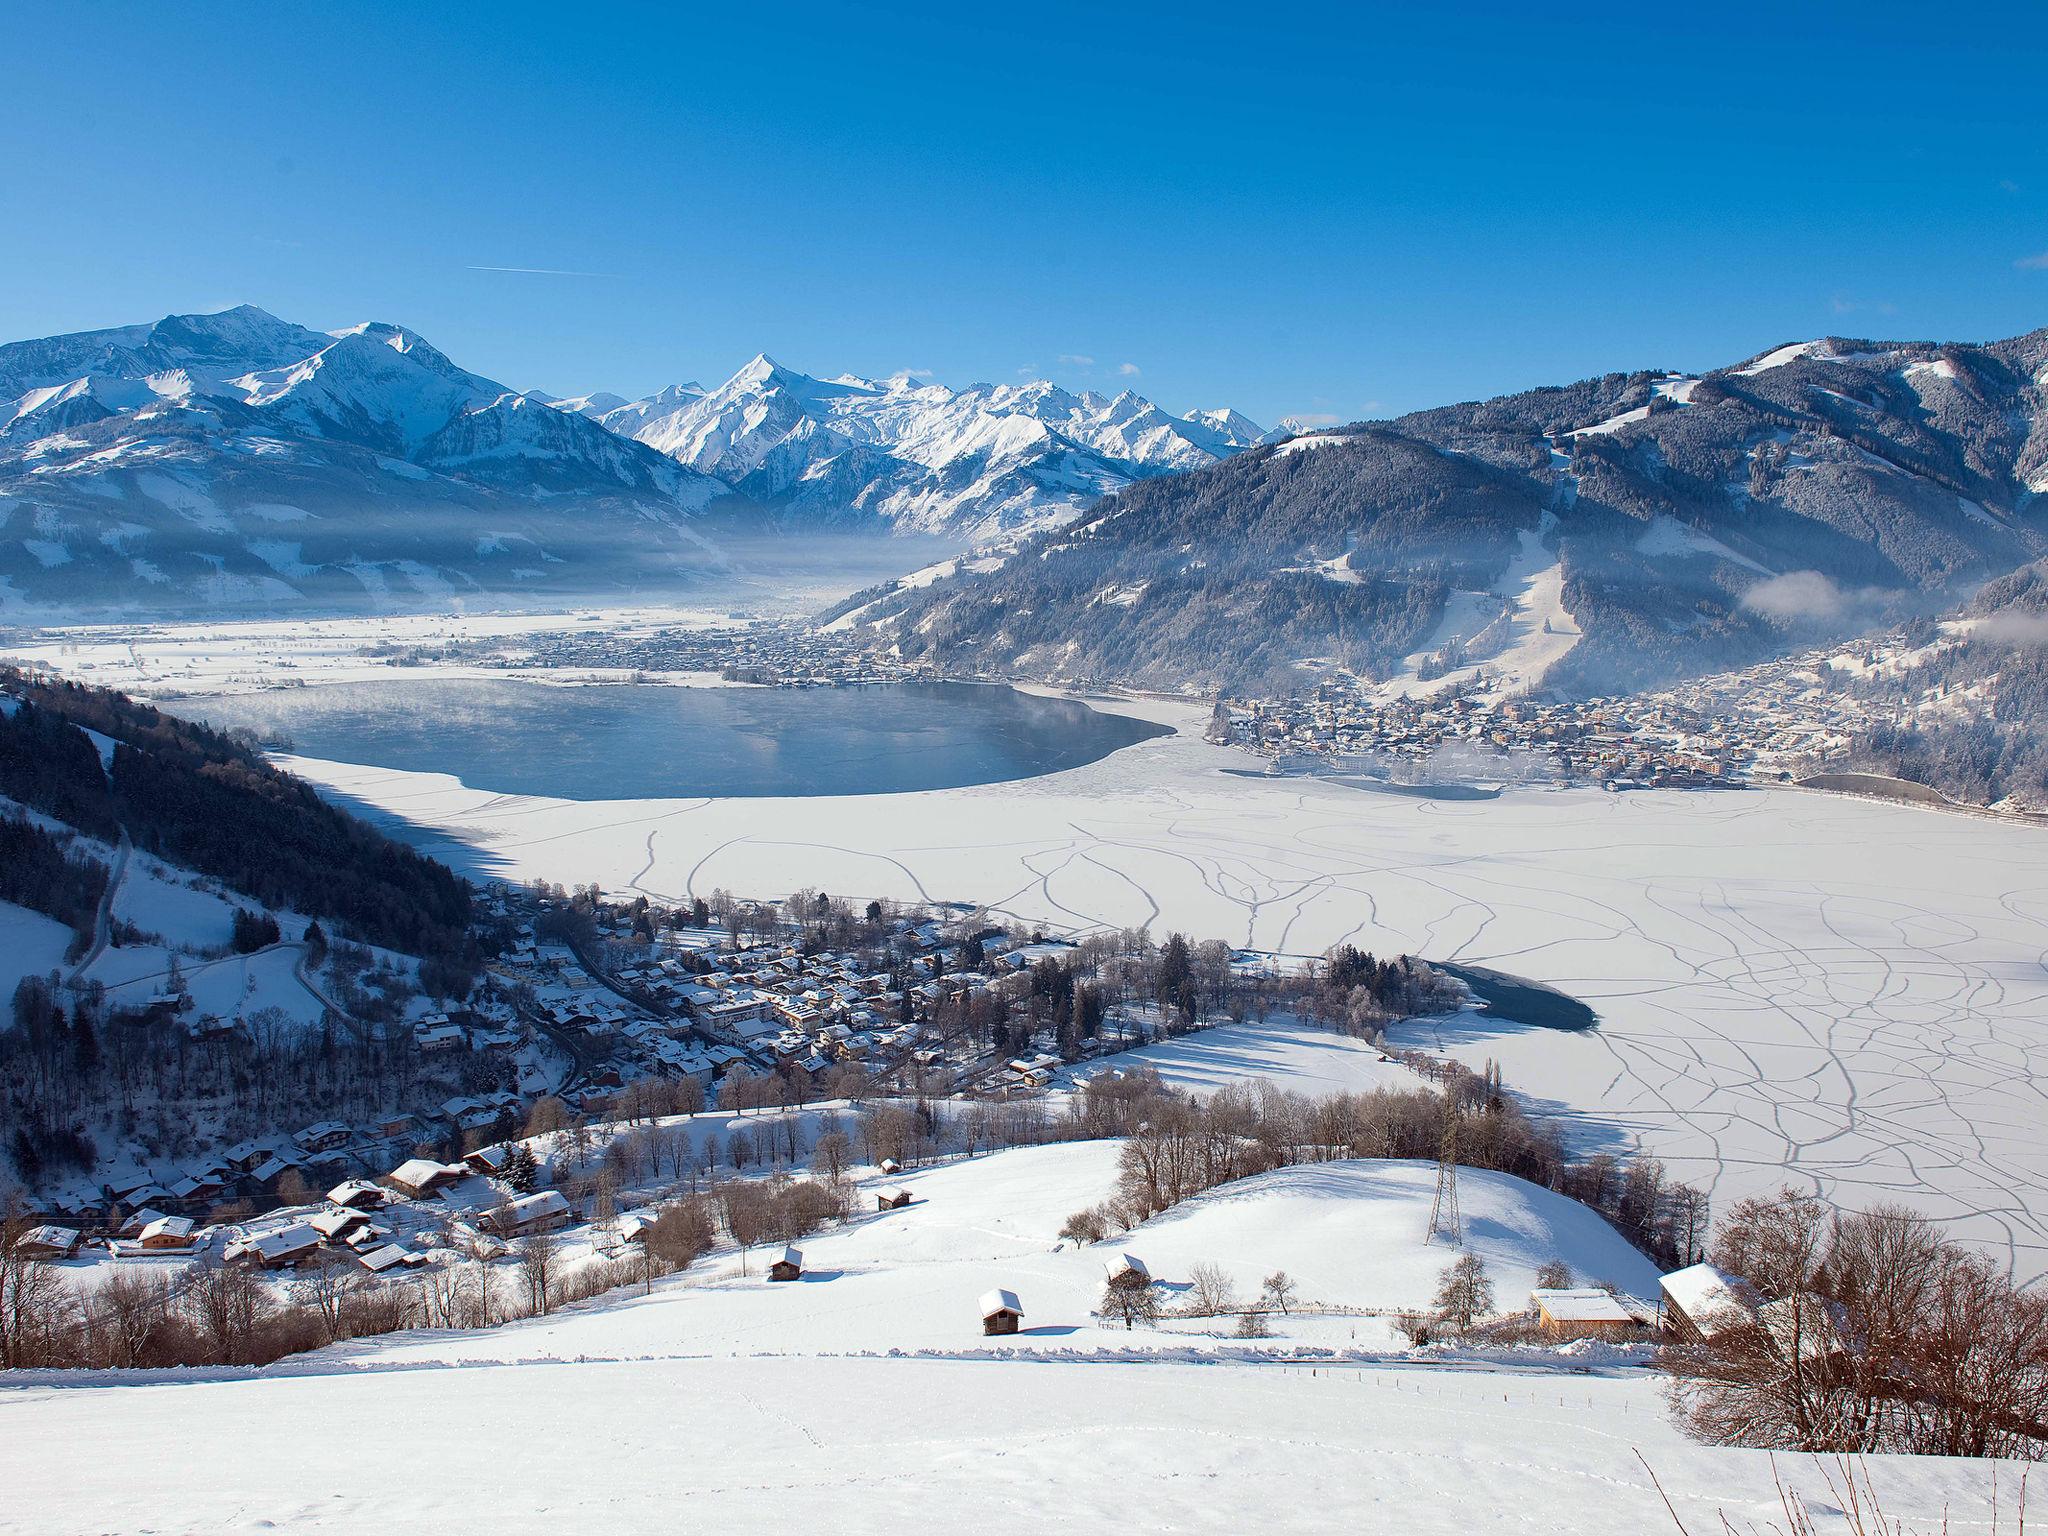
789 1267
894 1198
890 1165
1581 1312
1001 1311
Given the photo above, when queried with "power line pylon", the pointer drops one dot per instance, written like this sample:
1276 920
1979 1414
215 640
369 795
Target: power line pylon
1443 1211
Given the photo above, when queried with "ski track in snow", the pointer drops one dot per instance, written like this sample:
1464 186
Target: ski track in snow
1834 994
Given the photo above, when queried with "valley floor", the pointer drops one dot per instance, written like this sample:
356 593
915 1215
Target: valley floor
1845 995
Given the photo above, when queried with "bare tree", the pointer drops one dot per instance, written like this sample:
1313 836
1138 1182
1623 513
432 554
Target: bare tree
539 1263
1554 1276
1130 1297
1278 1290
1464 1293
1210 1293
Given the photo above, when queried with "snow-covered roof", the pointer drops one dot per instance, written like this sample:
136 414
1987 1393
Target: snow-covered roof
1580 1304
177 1228
1711 1298
792 1256
1000 1300
418 1172
1127 1263
62 1238
286 1241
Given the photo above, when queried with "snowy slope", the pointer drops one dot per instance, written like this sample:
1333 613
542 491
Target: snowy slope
865 1398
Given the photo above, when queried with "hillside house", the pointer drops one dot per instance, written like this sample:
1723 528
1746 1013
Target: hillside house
356 1195
1001 1311
789 1267
529 1214
326 1136
336 1223
281 1249
167 1234
894 1198
1702 1302
421 1176
48 1242
1580 1312
489 1161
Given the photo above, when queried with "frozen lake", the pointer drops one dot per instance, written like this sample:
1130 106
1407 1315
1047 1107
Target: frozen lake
1840 995
627 742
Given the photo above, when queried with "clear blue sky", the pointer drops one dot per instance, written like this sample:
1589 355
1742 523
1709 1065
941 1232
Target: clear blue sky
1343 210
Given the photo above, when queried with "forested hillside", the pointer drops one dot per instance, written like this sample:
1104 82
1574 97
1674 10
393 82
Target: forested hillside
1690 523
201 800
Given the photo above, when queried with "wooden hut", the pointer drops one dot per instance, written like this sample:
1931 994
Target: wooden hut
894 1198
890 1165
1001 1311
1581 1312
789 1267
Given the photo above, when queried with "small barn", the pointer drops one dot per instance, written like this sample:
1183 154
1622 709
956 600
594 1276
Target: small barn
1702 1302
1580 1312
1001 1311
894 1198
1127 1269
789 1267
890 1165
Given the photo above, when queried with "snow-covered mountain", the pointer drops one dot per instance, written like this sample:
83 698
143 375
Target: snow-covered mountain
921 457
239 458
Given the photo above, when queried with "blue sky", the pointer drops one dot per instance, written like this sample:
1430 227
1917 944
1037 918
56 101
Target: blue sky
1323 211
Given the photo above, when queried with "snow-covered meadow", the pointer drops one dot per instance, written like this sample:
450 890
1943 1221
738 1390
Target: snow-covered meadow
1840 994
865 1395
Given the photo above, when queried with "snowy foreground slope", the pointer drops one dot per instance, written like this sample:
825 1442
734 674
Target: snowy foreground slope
864 1397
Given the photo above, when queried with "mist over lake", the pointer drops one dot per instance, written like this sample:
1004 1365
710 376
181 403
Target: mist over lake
625 742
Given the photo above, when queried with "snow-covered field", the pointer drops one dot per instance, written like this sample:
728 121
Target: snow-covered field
865 1398
1316 1062
1844 995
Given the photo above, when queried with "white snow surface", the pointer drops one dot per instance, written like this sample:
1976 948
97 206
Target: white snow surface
1840 994
864 1397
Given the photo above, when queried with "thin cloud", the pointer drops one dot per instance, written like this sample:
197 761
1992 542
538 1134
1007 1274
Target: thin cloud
543 271
1076 360
2035 263
1128 370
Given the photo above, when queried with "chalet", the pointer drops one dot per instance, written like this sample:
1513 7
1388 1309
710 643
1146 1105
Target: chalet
281 1249
48 1242
894 1198
432 1038
1702 1302
1580 1312
167 1234
421 1176
789 1267
195 1189
326 1136
530 1214
336 1223
1001 1311
137 1220
489 1161
356 1194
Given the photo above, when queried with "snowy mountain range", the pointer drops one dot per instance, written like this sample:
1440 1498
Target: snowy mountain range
238 458
1592 538
919 456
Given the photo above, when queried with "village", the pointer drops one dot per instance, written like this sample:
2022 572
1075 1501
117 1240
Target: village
1779 721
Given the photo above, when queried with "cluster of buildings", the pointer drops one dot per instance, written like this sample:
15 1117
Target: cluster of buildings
778 652
1778 720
